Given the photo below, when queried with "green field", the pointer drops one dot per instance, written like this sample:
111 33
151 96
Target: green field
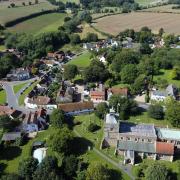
40 24
144 118
2 97
65 1
2 47
166 74
9 14
82 61
18 87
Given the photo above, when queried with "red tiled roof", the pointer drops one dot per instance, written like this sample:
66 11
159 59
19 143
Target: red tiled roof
5 110
70 107
119 91
164 148
97 93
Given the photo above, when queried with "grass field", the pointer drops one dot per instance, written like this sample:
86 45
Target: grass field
40 24
2 97
82 61
9 14
166 74
65 1
86 28
18 87
144 118
73 48
26 92
166 8
117 23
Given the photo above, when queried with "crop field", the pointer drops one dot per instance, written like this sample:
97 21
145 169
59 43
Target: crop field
117 23
40 24
9 14
166 8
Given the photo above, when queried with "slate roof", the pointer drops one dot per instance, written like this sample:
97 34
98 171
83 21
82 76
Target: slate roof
137 146
143 130
11 136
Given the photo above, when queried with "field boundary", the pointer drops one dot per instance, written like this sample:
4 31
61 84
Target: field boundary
158 11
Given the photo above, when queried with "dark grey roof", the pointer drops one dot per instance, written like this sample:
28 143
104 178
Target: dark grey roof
137 146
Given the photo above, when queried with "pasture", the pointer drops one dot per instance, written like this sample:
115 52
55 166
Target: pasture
82 60
9 14
40 24
117 23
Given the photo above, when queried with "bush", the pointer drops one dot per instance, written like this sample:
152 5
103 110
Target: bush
156 111
93 127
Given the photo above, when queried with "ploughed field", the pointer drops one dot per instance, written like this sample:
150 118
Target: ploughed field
116 23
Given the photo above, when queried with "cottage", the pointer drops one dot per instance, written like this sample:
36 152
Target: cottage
117 91
98 94
77 108
19 74
37 102
12 113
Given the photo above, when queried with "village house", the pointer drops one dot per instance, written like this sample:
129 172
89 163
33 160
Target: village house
143 140
37 102
19 74
98 94
118 91
12 113
171 91
57 56
77 108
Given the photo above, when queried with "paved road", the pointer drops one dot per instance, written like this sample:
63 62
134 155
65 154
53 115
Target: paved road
125 168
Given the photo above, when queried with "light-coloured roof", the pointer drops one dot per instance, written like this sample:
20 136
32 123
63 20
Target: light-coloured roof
39 154
165 133
111 119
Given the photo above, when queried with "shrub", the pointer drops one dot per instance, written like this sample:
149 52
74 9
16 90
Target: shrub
156 111
93 127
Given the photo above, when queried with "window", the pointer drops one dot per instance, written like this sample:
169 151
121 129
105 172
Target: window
128 138
135 139
122 138
149 140
142 140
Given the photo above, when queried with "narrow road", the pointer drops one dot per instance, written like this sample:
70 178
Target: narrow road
125 169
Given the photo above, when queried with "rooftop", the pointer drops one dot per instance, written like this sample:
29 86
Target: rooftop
119 91
39 100
111 119
164 148
144 130
70 107
165 133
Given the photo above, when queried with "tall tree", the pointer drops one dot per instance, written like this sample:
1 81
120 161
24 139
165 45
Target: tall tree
172 112
101 110
70 71
57 118
156 111
97 171
61 141
156 171
27 167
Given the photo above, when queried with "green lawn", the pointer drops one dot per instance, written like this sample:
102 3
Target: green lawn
26 92
82 61
2 97
13 155
9 14
40 24
84 121
2 47
18 87
72 48
144 118
145 2
166 74
65 1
